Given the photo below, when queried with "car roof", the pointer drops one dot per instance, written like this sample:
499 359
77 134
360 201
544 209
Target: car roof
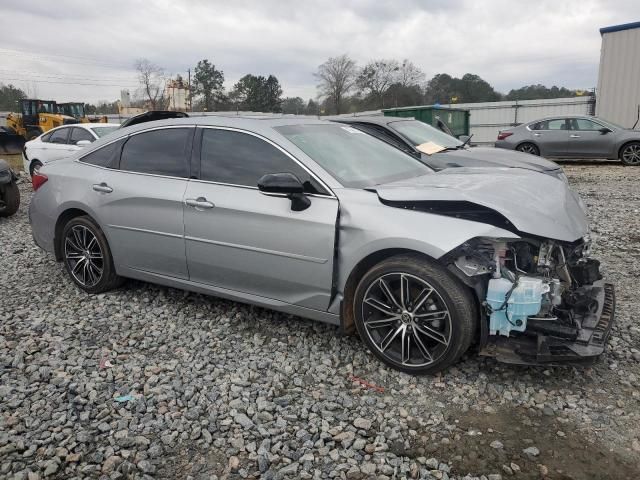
86 126
372 119
562 115
238 121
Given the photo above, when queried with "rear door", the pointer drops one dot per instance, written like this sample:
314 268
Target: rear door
57 146
140 204
239 239
586 140
551 136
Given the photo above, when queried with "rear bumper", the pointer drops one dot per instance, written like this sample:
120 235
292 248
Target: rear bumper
548 350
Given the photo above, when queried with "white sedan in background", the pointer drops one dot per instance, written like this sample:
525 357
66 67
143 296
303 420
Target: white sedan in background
61 142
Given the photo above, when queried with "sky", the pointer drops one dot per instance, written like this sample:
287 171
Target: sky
85 51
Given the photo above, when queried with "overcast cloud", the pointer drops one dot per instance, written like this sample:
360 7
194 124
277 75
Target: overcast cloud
508 43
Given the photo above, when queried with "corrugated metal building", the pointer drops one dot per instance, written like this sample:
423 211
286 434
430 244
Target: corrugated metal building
619 74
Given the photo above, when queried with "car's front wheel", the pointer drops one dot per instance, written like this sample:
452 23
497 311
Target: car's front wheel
630 154
414 315
87 256
528 148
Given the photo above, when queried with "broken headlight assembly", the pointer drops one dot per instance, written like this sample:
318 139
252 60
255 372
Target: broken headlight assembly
533 289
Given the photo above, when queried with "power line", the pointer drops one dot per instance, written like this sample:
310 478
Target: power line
88 61
67 83
63 76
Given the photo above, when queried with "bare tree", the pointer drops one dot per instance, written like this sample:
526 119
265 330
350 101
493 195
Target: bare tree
377 76
337 77
151 78
409 74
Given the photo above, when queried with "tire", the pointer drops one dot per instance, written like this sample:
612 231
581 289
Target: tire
528 148
87 257
438 331
35 165
630 154
10 195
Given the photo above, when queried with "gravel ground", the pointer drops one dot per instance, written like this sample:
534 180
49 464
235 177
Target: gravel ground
151 382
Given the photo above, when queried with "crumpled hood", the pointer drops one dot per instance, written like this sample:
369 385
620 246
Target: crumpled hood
490 157
536 204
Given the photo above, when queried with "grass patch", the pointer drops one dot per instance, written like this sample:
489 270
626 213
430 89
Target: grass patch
15 161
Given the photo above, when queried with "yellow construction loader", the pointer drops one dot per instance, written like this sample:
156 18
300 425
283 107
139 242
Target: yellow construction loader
77 111
35 118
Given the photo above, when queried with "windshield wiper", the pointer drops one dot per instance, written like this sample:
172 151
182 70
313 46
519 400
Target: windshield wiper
464 144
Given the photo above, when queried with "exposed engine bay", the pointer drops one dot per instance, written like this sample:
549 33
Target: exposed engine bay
542 300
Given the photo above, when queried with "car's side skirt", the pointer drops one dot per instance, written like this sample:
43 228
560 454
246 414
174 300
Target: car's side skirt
234 295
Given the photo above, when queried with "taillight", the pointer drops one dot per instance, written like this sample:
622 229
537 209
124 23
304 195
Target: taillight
37 180
503 135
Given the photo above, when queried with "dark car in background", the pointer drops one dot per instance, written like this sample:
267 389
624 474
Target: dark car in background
573 136
407 134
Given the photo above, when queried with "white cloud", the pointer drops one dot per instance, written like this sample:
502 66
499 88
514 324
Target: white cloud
508 43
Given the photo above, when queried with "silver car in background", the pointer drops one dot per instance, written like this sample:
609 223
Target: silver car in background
323 221
573 136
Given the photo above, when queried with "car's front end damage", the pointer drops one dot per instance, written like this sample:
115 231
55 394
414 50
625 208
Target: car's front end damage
543 301
542 296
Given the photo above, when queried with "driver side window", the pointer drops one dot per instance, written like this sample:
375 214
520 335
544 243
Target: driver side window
237 158
78 134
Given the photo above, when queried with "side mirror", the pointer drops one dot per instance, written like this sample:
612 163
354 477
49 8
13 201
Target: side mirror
464 138
285 184
82 143
605 130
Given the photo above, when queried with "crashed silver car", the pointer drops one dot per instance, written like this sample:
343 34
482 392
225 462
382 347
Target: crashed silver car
320 220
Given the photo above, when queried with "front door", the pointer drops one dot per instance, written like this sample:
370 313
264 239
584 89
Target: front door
586 140
239 239
141 203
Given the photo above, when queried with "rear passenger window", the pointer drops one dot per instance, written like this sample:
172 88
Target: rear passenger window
107 156
59 136
160 152
241 159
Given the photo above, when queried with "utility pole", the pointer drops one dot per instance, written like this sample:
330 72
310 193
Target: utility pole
189 81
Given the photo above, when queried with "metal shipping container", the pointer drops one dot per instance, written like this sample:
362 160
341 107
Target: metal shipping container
619 74
457 119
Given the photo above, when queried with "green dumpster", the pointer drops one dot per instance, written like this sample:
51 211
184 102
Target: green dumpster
457 119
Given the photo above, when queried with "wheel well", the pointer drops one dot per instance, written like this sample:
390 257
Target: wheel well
32 162
624 145
527 142
60 223
363 266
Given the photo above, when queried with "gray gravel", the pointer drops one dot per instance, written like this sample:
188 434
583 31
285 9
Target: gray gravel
151 382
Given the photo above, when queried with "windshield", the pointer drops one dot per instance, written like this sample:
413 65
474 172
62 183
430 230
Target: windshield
611 124
354 158
418 133
102 131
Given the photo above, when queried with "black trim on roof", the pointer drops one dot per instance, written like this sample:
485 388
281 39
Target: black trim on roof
619 28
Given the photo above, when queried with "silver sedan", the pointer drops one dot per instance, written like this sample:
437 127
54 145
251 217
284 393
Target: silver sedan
320 220
573 136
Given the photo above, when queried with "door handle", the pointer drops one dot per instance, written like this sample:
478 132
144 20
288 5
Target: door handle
537 134
199 203
574 136
102 187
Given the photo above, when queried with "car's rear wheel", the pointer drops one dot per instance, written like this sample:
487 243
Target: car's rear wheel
34 167
87 256
414 315
630 154
528 148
